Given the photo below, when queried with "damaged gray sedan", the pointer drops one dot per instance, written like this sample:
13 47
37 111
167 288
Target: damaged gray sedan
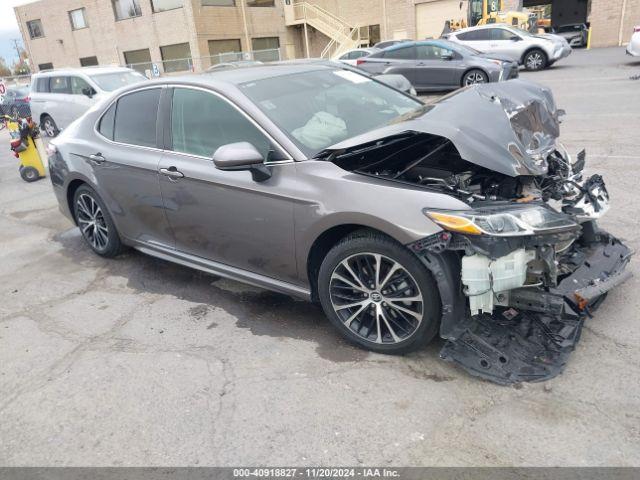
463 218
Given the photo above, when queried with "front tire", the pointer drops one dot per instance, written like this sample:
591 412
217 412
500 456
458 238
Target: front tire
535 60
378 294
49 126
473 77
95 222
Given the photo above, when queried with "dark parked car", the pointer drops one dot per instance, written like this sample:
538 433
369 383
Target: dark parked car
576 34
439 65
326 184
16 102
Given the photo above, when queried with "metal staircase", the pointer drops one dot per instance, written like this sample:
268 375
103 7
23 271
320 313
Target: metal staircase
342 35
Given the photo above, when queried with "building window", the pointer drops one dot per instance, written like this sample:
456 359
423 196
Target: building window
123 9
35 29
78 19
260 3
225 50
89 61
266 49
371 33
176 58
218 3
45 66
164 5
139 60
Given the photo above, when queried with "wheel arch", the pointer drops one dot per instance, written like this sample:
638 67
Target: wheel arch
464 74
324 243
72 188
532 48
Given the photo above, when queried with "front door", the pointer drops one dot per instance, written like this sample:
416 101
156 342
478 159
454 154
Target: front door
224 216
435 67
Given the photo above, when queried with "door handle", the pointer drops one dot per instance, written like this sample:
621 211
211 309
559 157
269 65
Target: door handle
97 158
171 172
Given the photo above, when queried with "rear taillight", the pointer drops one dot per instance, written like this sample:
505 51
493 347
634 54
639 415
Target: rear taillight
360 61
27 99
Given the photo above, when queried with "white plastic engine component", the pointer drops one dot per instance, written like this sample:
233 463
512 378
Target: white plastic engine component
484 278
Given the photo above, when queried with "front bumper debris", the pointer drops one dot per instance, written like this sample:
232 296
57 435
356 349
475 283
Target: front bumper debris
530 338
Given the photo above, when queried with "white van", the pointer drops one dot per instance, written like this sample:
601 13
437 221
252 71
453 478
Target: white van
58 97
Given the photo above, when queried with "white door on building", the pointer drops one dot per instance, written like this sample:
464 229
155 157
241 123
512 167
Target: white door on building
431 15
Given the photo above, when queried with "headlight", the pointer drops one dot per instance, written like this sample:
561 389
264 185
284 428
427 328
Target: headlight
502 222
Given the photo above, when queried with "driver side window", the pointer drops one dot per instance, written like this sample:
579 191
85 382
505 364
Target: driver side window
201 122
501 34
78 85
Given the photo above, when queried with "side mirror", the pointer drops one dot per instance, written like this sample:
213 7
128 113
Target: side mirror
242 156
447 56
88 91
515 38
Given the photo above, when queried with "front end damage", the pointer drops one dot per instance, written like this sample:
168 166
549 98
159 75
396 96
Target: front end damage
521 268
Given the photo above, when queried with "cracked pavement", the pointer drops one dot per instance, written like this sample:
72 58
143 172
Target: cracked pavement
138 362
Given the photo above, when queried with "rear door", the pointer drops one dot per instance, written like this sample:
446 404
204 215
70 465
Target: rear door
124 160
436 66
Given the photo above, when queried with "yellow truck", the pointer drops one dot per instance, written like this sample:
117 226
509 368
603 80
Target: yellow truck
483 12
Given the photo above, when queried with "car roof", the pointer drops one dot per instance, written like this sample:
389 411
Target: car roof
482 27
85 70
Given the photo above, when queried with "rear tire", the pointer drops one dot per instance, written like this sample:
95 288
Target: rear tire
378 294
95 222
473 77
49 126
535 60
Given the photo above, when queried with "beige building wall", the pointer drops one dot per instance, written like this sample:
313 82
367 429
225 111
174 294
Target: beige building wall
612 21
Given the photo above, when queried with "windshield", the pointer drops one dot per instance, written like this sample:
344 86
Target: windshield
320 108
112 81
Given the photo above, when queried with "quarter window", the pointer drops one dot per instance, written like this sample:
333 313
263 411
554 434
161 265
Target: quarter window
123 9
136 117
201 122
35 29
78 19
106 123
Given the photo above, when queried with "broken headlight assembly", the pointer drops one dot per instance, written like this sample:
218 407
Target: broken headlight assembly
502 222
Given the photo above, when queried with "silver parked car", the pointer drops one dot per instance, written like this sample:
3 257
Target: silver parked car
463 218
58 97
439 65
535 52
577 34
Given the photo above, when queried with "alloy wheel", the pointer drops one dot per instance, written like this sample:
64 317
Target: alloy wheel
376 298
91 222
474 78
534 61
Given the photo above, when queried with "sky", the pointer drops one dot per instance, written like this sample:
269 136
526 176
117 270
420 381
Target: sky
9 29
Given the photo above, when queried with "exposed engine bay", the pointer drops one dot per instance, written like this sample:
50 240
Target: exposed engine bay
529 262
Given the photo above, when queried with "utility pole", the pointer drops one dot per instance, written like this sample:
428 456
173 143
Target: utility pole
15 45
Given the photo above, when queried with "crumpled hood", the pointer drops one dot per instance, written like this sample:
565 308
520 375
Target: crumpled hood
508 127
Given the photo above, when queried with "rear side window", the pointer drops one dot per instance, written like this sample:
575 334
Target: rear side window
136 116
106 123
404 53
60 85
474 35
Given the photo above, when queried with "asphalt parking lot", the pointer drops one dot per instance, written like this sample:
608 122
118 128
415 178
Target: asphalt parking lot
135 361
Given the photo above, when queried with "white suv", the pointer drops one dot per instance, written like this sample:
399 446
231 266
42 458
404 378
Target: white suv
535 52
58 97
